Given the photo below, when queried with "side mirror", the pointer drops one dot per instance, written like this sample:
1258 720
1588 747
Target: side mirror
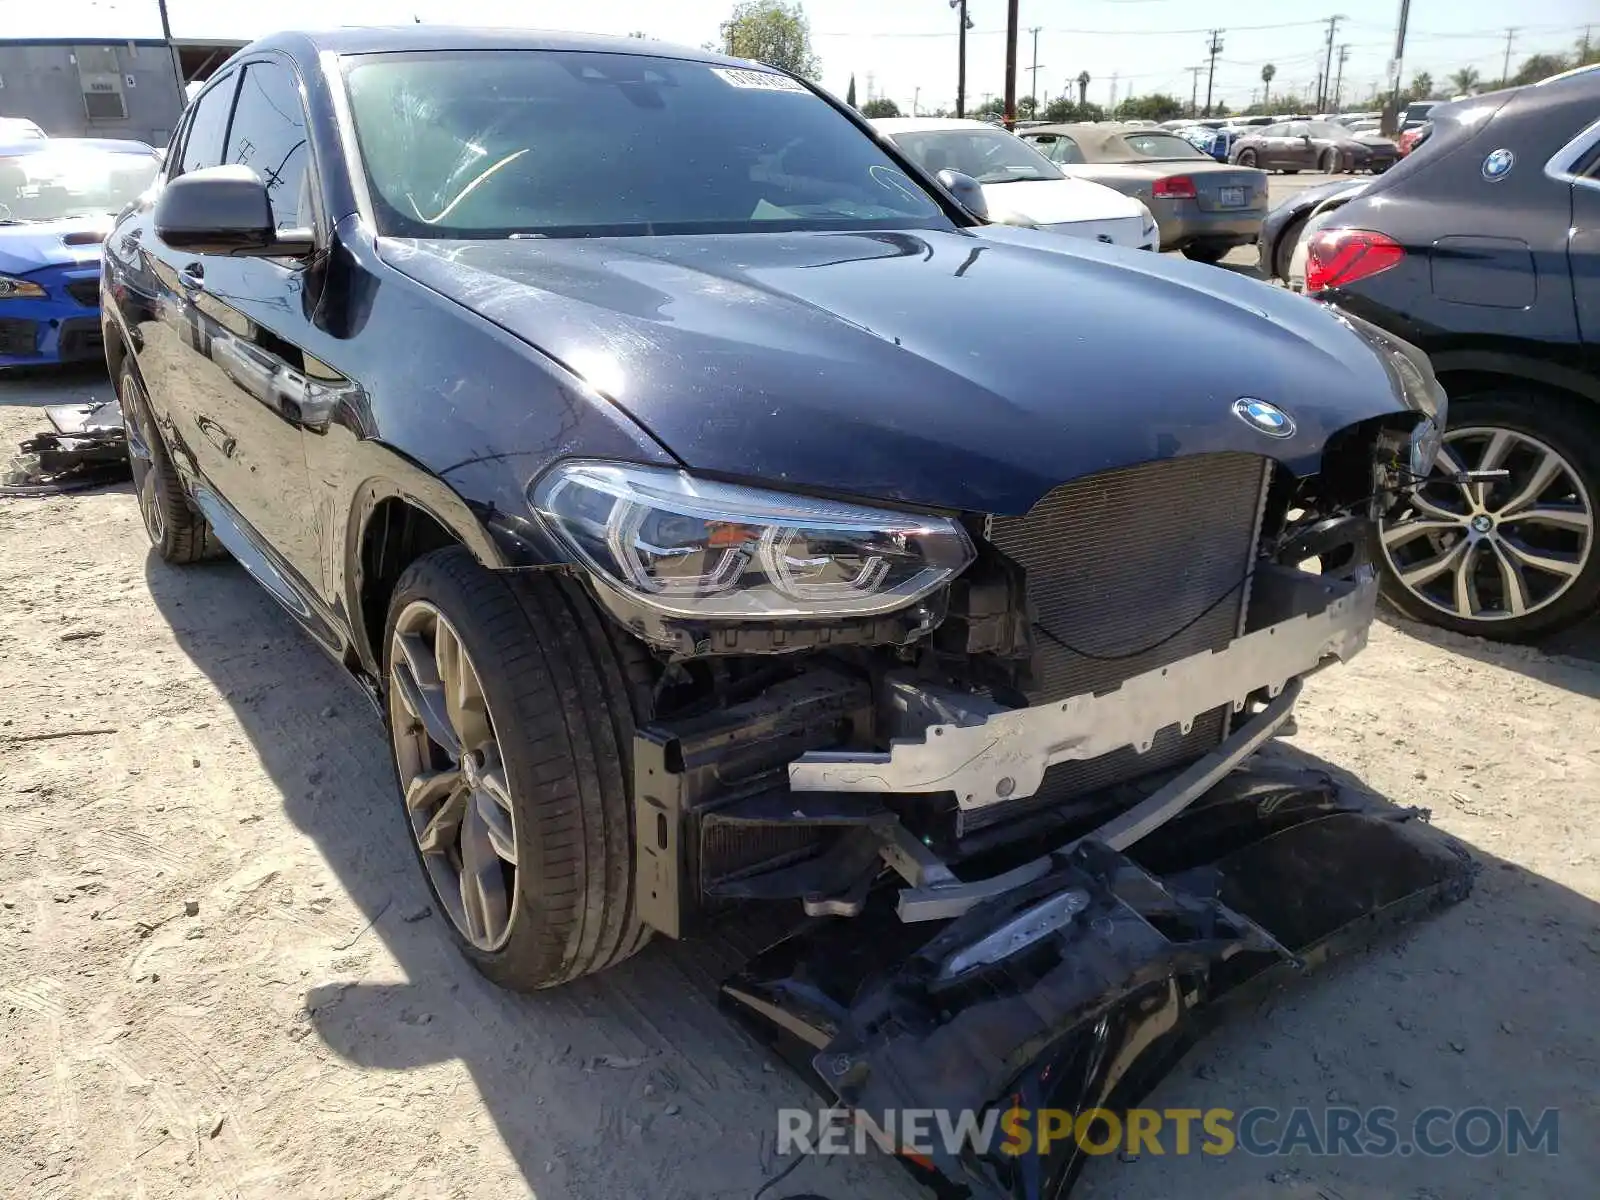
224 210
967 191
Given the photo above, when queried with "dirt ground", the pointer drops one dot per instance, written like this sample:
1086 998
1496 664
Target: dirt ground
219 975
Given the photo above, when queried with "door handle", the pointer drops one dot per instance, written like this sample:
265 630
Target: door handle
193 277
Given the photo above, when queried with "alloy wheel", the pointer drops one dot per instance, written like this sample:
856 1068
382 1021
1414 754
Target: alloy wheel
1495 550
452 775
146 474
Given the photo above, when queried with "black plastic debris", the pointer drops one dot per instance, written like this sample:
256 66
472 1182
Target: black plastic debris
87 448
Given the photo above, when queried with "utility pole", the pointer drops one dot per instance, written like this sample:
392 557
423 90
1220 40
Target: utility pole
1213 49
916 95
1338 80
1112 111
1399 58
1194 91
1034 70
1505 71
172 49
1011 64
964 24
1327 67
1083 88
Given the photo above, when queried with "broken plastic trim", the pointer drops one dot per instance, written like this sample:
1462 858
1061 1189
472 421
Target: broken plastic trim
1004 757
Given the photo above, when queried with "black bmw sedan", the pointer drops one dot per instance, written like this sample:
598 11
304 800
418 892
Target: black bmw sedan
686 474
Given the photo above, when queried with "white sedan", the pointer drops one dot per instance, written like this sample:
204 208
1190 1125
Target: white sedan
1020 185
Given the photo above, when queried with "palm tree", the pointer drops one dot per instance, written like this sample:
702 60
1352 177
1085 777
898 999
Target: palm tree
1466 80
1267 72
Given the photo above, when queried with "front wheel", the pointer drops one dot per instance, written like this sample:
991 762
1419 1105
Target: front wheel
1283 253
511 707
1513 559
1247 158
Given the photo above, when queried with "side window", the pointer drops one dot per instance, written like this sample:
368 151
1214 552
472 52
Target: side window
1299 129
208 125
269 135
1065 151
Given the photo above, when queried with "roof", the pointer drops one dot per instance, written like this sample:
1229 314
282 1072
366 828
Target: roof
894 125
396 39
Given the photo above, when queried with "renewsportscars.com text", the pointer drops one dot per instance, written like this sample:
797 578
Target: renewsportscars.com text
1265 1132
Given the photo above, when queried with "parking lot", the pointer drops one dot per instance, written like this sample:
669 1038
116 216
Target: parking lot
221 975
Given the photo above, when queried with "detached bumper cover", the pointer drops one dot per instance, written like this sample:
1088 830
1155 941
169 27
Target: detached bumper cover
1112 966
1004 758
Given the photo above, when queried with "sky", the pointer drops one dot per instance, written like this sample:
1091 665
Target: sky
906 49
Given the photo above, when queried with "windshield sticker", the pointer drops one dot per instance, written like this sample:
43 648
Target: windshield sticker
760 81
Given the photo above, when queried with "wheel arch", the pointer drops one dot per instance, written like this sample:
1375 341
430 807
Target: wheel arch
1464 372
393 521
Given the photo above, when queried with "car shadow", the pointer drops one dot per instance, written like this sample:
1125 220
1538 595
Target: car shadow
639 1061
1569 660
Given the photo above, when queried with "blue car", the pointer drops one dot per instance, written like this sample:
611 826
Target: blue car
1215 142
58 198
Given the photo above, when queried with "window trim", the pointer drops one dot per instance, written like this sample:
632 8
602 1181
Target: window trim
1564 164
319 224
193 107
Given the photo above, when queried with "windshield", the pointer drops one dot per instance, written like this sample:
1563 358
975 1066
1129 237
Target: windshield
1159 145
70 181
580 144
988 155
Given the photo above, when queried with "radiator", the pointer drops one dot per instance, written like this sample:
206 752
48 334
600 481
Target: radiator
1122 559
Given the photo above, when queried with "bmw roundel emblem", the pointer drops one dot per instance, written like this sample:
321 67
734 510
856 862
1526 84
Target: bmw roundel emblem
1498 165
1266 418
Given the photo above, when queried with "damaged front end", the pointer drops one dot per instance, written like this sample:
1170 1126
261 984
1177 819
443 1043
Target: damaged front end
1021 817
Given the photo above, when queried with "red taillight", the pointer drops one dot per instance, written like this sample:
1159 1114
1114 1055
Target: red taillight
1174 187
1336 257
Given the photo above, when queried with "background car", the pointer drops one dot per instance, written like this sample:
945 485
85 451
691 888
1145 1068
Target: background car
1484 250
1203 207
1283 231
19 129
57 200
1021 186
1216 142
1311 146
1412 137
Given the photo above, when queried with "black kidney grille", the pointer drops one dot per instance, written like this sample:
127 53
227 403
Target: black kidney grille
1122 559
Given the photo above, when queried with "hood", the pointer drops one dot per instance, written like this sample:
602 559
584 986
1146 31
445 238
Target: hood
963 369
29 247
1053 201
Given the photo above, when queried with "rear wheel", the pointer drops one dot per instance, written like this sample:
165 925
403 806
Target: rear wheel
178 533
1205 252
511 711
1511 559
1329 162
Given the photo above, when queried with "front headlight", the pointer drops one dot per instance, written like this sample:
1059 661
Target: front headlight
695 548
12 288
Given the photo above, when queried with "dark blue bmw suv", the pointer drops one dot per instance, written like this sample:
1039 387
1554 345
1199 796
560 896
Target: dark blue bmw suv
651 438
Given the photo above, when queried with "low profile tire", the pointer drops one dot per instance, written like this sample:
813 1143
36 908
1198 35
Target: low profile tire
1205 253
178 533
1283 252
511 707
1247 158
1328 164
1380 168
1513 559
